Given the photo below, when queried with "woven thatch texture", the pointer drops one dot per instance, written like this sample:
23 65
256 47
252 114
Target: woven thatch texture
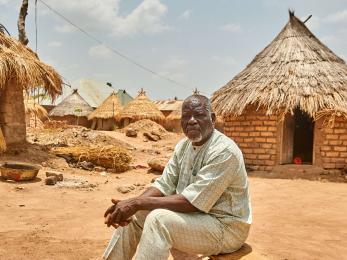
142 108
73 105
21 64
109 156
110 108
294 70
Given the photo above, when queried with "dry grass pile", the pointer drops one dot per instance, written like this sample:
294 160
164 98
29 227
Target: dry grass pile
146 125
112 157
2 142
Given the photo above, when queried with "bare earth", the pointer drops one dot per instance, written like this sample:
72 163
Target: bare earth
292 219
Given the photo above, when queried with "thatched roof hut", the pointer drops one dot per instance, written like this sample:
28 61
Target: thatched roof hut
21 70
107 114
273 108
141 108
73 109
35 114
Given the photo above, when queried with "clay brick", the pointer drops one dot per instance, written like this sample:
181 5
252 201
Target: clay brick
344 155
332 137
245 123
272 128
257 123
340 148
264 156
329 165
249 128
261 128
344 142
243 145
326 160
247 150
271 151
234 134
260 140
250 156
325 148
254 145
338 160
239 128
266 134
266 145
340 131
332 154
244 134
254 134
271 140
268 168
269 162
328 130
259 150
248 140
343 137
335 142
270 123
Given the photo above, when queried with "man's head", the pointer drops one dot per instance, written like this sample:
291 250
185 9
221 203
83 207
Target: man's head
197 119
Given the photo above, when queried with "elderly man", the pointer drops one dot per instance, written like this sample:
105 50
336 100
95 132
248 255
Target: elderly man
199 205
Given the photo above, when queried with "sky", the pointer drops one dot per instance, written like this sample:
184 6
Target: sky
199 44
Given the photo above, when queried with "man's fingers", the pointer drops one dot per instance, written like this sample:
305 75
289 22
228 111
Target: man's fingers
109 210
107 218
114 201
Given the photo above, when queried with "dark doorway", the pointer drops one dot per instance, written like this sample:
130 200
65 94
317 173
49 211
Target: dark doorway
303 136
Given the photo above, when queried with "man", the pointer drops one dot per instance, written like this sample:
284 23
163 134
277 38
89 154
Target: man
199 205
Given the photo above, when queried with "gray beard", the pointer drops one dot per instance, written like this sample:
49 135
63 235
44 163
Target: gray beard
196 139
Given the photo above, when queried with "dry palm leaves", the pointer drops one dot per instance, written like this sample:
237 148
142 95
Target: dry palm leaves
112 157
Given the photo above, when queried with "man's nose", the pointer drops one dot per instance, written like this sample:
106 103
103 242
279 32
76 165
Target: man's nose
192 120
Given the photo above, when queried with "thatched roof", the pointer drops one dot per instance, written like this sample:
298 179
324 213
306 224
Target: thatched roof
73 105
169 105
142 108
20 63
294 70
110 108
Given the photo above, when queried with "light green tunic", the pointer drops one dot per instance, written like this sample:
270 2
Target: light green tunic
212 177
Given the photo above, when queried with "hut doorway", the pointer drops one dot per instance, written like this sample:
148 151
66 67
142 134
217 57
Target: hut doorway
297 138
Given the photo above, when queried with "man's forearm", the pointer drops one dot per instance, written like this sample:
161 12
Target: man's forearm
175 202
152 192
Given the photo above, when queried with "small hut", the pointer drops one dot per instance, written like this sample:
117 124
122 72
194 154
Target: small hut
173 121
74 110
21 70
105 117
141 108
288 105
169 106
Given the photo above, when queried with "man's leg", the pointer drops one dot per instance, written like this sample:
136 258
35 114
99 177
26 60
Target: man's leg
195 233
124 241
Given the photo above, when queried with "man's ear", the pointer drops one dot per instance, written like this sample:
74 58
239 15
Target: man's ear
213 117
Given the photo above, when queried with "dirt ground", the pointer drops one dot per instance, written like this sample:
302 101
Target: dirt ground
292 219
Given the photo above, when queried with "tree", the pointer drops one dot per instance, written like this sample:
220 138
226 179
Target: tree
21 22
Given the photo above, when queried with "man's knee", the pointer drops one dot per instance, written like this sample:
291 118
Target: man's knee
159 217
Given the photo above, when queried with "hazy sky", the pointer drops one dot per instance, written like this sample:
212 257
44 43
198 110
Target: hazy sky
199 43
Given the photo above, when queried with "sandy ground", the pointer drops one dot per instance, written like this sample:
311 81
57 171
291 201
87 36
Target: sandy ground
293 219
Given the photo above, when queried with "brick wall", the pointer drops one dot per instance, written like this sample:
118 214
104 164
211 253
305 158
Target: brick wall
256 135
331 145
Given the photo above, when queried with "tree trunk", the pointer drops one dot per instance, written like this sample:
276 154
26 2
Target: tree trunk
21 22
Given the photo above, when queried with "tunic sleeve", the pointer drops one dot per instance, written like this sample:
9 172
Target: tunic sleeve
167 183
212 180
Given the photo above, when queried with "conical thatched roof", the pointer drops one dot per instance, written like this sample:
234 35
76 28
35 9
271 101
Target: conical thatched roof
142 108
294 70
73 105
20 63
110 108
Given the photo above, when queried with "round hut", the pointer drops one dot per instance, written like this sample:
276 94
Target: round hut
141 108
288 105
74 110
173 120
106 116
21 70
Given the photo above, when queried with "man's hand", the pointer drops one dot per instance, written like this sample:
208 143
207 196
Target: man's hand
119 214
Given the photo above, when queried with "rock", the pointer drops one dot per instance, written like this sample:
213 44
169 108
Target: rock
158 163
99 169
151 137
131 132
103 173
139 166
51 180
59 176
125 189
86 165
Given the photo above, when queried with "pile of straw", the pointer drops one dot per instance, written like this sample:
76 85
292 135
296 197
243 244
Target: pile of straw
3 146
111 157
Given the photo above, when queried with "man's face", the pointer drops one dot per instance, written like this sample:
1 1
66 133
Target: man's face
197 121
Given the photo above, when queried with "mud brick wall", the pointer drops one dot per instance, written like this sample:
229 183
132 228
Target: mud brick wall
331 145
256 135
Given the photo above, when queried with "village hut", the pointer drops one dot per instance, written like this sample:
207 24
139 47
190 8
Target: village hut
173 120
288 105
141 108
21 70
169 106
74 110
35 114
123 97
106 116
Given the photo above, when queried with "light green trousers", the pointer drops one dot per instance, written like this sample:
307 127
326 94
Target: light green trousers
151 235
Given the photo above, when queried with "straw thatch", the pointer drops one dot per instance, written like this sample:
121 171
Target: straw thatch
142 108
32 108
110 108
294 70
73 105
22 66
